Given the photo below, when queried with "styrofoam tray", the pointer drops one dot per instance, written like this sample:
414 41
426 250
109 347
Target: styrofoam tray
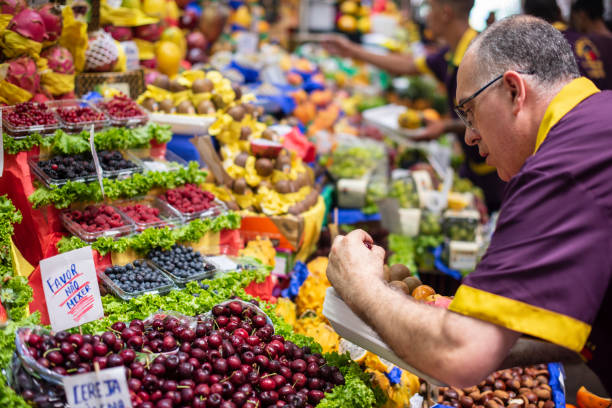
385 118
184 124
348 325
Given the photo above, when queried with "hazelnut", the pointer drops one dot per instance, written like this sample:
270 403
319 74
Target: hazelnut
531 397
542 379
545 386
524 390
549 404
527 381
490 380
506 375
503 395
513 384
499 385
466 402
470 390
542 393
475 395
451 394
485 396
459 391
492 404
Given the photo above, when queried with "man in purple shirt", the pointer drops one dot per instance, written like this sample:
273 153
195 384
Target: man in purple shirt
548 270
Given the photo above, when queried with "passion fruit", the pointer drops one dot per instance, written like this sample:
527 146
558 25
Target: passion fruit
167 105
239 186
282 186
241 159
185 107
264 167
202 85
206 107
237 113
245 132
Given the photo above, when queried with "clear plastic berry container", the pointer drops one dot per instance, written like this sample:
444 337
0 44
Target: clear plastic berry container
45 125
74 224
165 286
27 359
109 172
167 216
69 113
41 168
209 271
159 159
123 112
215 209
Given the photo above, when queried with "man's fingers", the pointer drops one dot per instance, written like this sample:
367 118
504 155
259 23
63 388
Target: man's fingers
359 235
379 252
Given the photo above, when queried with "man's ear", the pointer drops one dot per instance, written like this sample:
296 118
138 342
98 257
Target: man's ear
516 90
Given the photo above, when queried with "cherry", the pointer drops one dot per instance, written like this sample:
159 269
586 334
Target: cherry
185 348
245 368
227 389
86 352
235 308
239 398
202 376
114 360
214 400
198 354
299 380
169 343
137 370
220 366
267 384
285 372
198 402
102 361
279 380
187 395
214 340
67 348
298 365
259 321
314 396
261 360
34 340
100 349
118 326
222 321
285 391
172 362
55 357
312 370
135 342
76 339
246 388
185 370
200 343
157 369
127 355
237 378
188 335
248 357
202 389
253 340
164 403
216 388
134 384
194 362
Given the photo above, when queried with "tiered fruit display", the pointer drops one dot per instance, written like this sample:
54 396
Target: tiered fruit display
189 199
229 358
95 219
181 261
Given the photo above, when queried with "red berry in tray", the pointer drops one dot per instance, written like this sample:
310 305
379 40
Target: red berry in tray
79 114
189 198
95 219
30 114
141 213
122 107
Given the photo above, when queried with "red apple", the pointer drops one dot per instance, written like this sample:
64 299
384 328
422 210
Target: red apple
196 39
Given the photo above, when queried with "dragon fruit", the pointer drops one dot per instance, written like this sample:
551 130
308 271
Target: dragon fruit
119 33
11 6
29 24
22 72
51 15
59 60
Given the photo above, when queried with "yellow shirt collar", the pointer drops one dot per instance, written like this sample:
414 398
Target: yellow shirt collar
566 100
465 41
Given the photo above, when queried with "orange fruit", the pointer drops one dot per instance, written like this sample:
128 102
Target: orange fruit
347 23
586 399
169 57
422 292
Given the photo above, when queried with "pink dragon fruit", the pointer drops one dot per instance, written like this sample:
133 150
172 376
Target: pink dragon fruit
29 24
51 15
11 6
59 59
40 98
119 33
22 73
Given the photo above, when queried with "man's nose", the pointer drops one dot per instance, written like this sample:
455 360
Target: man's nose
471 137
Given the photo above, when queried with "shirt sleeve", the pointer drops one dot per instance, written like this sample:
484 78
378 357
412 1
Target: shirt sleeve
434 64
547 268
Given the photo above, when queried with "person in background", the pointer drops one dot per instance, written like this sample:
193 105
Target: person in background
587 17
448 20
547 272
592 51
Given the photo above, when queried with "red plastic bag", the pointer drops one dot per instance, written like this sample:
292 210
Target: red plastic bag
297 142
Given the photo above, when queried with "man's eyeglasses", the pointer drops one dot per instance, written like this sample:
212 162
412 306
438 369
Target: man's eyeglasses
459 108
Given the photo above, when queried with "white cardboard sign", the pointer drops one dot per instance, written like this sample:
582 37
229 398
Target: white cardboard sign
100 389
71 289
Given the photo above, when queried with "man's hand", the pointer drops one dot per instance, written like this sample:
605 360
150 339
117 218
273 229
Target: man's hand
353 262
338 45
432 130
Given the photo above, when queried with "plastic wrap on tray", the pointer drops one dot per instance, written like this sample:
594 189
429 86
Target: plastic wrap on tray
83 222
151 280
41 120
76 115
158 159
149 212
183 264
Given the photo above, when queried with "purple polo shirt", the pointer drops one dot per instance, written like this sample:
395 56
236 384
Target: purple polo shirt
548 270
594 56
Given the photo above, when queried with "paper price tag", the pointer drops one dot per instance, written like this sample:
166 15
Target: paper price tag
96 160
104 389
71 289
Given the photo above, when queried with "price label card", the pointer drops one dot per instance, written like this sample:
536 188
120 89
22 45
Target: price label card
71 289
104 388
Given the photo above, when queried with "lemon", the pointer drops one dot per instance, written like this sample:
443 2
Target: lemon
349 7
168 58
363 25
347 23
175 35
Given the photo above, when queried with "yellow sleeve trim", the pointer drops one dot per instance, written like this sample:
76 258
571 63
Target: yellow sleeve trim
482 169
521 317
566 100
465 41
422 67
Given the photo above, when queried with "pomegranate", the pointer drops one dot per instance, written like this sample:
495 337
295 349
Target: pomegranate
149 32
119 33
59 59
22 72
11 6
29 24
51 15
196 40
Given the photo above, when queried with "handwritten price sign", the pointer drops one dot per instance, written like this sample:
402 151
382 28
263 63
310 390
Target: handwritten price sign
100 389
71 289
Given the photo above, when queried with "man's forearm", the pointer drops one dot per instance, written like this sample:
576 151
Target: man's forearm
454 126
396 64
449 347
529 352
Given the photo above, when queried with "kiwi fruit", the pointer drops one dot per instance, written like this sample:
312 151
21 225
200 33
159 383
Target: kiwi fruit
239 186
175 86
399 286
399 272
386 273
237 113
205 107
185 107
269 134
282 187
245 132
149 104
161 81
412 282
237 92
241 159
167 105
217 100
264 167
202 85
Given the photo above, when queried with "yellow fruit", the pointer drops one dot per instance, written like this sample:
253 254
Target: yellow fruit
168 58
347 23
364 11
172 11
349 7
410 119
263 26
135 4
154 8
242 17
363 25
176 36
431 115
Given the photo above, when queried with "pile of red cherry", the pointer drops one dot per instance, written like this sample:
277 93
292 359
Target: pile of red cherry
79 114
30 114
189 198
232 359
122 107
94 219
141 213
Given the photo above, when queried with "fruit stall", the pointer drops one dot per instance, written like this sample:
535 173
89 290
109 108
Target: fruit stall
202 156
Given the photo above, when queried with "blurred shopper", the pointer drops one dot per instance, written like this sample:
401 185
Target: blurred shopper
448 20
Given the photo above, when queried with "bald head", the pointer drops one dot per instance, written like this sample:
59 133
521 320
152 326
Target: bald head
527 44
